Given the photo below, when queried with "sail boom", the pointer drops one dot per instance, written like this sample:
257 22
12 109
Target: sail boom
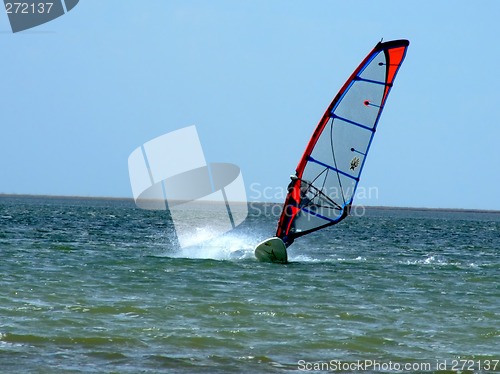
318 215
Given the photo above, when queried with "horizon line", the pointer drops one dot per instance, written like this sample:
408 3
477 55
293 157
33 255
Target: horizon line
131 199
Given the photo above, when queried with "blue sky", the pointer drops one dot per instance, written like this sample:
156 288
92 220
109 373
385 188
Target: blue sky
80 93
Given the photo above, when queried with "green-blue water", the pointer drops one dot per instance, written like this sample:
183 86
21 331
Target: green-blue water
97 286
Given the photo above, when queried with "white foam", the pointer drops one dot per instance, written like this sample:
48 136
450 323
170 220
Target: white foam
227 247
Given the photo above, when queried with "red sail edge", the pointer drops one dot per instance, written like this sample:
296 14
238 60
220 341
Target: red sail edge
395 52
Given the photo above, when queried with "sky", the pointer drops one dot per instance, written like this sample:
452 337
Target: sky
81 92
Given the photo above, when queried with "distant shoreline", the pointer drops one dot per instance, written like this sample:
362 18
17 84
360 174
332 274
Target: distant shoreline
444 210
368 207
68 197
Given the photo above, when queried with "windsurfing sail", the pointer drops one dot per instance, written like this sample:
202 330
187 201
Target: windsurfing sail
322 190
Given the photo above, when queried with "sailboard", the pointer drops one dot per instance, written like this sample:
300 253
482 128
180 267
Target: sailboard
272 250
322 190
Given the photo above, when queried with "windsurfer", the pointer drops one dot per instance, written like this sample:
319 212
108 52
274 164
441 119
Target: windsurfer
327 166
304 189
304 201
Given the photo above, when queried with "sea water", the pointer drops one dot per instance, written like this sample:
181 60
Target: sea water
96 285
